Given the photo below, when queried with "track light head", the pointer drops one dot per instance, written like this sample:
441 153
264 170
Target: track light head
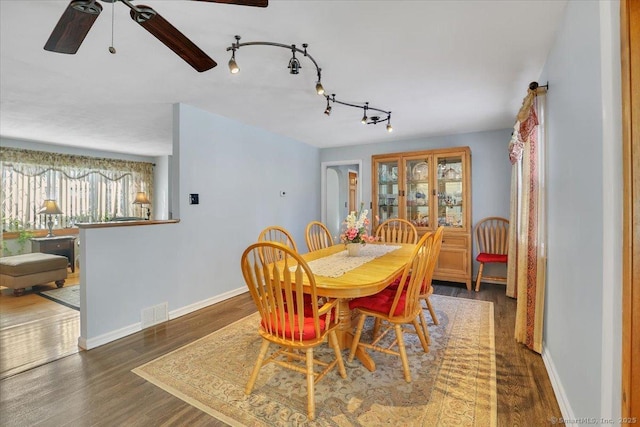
389 128
327 110
294 65
233 67
364 119
319 88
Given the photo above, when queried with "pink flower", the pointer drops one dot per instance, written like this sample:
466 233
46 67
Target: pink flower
356 226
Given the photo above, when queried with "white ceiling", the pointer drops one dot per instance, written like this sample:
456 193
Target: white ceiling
441 67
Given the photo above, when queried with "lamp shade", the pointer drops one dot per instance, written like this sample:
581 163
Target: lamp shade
141 199
50 207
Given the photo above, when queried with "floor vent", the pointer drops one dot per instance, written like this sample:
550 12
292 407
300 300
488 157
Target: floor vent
154 315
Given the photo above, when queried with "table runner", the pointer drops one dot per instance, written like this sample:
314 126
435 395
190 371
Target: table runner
338 264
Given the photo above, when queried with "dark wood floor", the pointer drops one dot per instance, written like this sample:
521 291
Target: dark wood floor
97 387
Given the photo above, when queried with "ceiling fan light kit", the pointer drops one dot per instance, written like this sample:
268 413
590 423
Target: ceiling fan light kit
294 68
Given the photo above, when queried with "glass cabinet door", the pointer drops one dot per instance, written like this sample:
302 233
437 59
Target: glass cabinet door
387 189
417 175
450 191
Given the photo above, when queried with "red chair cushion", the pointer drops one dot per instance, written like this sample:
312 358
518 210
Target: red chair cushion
485 257
394 285
308 331
380 302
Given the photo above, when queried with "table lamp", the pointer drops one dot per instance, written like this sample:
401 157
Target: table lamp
142 199
50 207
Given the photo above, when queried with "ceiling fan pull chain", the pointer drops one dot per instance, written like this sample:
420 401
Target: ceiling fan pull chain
113 18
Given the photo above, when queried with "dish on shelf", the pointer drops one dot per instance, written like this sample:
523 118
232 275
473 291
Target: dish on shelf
394 174
420 171
451 174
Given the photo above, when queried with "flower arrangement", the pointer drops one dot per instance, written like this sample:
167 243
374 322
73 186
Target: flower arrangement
356 228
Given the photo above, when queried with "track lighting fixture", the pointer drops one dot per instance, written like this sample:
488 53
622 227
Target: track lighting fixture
294 68
327 110
233 67
294 65
319 87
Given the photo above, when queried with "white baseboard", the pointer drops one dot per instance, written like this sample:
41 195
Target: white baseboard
88 344
561 396
205 303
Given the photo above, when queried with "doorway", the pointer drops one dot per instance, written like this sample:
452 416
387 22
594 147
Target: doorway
341 192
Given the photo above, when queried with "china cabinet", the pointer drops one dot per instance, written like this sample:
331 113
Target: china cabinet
429 188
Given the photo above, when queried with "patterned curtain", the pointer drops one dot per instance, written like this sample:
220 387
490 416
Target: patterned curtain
527 235
87 189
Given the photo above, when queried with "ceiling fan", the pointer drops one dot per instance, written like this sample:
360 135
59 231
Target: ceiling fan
79 16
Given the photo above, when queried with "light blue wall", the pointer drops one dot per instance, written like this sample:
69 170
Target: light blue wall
238 172
491 169
581 339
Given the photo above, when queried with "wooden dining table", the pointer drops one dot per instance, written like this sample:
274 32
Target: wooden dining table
367 279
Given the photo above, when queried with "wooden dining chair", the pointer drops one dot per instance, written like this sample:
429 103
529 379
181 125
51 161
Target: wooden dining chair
426 290
397 307
427 287
288 320
492 244
275 233
397 230
318 236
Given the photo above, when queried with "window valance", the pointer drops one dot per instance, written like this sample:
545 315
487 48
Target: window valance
34 163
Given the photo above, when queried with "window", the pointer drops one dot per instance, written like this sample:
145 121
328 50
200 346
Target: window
87 189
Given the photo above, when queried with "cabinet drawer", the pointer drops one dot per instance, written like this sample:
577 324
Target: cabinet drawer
455 240
49 246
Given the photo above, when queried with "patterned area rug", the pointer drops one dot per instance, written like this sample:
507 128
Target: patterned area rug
67 295
453 384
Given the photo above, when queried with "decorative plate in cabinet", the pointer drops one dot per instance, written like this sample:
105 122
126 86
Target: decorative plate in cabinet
420 171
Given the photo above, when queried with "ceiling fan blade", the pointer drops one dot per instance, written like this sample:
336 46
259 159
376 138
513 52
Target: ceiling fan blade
151 21
256 3
73 26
